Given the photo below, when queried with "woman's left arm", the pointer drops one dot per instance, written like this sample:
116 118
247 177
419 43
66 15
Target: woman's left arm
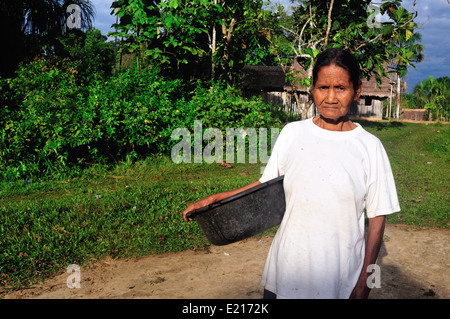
374 240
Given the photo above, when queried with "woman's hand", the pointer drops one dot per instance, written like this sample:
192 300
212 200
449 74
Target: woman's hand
374 240
198 204
215 198
361 290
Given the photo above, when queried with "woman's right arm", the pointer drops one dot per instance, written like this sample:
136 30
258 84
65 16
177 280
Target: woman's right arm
215 198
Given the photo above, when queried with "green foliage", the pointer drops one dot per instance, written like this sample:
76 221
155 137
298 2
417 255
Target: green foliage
194 38
38 107
50 124
409 100
434 94
310 30
166 34
222 106
242 29
90 50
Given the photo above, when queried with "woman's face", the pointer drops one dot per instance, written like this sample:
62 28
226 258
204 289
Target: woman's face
333 92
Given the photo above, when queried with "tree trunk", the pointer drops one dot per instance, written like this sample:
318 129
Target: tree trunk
397 115
388 108
227 36
213 48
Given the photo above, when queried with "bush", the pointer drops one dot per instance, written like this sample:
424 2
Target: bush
52 124
38 108
90 50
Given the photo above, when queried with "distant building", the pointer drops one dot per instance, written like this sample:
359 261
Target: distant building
414 114
270 83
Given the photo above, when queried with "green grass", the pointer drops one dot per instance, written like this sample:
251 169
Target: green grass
420 160
47 225
135 210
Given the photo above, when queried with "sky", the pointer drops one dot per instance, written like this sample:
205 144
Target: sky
433 20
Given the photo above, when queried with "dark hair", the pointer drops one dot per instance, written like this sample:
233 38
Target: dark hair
343 58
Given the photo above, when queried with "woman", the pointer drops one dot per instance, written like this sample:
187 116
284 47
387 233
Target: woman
334 171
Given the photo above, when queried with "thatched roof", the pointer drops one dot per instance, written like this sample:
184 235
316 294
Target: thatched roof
272 78
370 88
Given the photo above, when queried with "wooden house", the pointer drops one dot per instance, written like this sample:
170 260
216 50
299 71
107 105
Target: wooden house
270 83
370 104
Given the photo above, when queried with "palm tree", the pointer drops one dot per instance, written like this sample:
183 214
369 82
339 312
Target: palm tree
433 94
46 20
30 27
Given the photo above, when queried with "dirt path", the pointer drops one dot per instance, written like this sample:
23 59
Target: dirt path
413 263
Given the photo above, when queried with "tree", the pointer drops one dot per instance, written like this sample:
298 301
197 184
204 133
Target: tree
434 94
316 25
31 27
192 39
243 28
90 51
408 51
169 34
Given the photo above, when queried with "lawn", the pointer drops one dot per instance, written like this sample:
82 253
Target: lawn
135 210
420 160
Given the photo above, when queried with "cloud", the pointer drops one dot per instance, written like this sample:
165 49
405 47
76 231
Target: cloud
103 18
434 22
102 6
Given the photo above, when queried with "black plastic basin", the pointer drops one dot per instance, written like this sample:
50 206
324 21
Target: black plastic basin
243 215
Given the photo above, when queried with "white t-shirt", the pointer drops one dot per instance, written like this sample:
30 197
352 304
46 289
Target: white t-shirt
329 178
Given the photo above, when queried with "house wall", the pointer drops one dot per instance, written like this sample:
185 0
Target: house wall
414 114
370 107
270 83
286 99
